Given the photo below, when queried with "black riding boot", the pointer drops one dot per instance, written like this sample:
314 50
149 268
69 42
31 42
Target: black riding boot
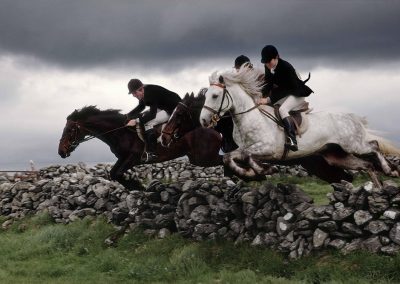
225 127
291 141
228 144
151 146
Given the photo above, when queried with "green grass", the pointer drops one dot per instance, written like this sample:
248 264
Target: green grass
36 250
317 188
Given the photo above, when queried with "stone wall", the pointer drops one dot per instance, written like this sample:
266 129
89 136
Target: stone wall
201 204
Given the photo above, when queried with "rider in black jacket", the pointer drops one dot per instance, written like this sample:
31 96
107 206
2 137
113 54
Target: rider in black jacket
162 103
284 87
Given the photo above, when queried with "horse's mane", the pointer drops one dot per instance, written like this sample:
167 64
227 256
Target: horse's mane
89 111
246 77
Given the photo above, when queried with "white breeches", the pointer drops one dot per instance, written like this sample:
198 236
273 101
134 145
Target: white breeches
289 103
161 117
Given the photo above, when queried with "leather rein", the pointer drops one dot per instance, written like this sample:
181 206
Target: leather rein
216 114
78 126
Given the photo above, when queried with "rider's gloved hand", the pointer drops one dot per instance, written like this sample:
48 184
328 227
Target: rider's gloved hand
131 122
263 101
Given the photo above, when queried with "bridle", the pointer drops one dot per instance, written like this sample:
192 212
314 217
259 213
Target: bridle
217 114
73 139
174 134
75 134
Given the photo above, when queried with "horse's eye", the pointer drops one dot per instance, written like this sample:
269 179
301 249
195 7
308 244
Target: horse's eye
214 96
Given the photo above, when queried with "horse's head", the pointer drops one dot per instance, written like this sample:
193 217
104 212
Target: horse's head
88 121
180 122
217 101
72 135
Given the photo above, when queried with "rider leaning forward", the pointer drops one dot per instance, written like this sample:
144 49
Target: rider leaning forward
225 124
283 87
162 103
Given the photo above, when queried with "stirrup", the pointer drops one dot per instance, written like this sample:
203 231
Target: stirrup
149 157
291 145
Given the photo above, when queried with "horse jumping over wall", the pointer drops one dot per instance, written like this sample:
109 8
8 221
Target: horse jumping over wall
185 118
200 145
341 139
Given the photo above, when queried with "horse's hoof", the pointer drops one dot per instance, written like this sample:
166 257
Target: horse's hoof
109 242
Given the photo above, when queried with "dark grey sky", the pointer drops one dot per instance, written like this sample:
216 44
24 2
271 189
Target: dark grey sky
86 33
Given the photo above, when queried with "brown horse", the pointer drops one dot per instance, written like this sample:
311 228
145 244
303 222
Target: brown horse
185 118
200 145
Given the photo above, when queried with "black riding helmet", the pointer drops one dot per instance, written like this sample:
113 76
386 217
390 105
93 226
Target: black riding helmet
268 52
133 85
240 60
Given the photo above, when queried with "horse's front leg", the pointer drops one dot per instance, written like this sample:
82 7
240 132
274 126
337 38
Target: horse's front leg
261 168
236 161
248 164
121 167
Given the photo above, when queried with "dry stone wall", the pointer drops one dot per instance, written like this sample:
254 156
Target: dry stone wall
200 203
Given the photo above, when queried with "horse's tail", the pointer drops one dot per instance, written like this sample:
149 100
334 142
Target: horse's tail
386 147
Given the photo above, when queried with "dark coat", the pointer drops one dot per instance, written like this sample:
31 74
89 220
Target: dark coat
156 97
284 82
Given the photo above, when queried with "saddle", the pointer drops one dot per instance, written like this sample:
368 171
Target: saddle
296 116
140 130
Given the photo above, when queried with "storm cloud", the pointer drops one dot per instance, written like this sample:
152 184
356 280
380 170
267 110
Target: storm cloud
158 32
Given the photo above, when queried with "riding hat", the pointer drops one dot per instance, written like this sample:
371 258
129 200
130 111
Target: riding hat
268 52
240 60
133 85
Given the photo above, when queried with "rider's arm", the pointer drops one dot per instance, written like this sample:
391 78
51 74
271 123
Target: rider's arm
149 115
268 78
291 79
136 111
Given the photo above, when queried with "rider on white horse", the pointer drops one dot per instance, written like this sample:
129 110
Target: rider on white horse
225 124
162 103
284 88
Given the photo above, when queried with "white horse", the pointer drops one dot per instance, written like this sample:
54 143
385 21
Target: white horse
342 139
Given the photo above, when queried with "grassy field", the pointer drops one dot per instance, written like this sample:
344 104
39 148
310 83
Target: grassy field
36 250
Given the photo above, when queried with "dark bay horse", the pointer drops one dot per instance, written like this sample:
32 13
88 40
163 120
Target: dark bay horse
186 118
200 145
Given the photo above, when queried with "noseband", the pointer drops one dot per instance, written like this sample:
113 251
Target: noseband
217 114
72 145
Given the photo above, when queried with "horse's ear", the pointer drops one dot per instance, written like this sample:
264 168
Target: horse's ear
221 79
186 95
202 92
191 95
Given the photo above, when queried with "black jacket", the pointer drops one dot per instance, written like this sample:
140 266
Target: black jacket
286 82
156 97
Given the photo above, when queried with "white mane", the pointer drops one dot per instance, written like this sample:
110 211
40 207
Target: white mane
246 77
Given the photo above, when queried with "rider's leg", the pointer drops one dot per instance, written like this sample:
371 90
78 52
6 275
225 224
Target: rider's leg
290 103
225 127
151 141
151 135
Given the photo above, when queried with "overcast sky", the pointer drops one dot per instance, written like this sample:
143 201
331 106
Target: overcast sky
57 55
